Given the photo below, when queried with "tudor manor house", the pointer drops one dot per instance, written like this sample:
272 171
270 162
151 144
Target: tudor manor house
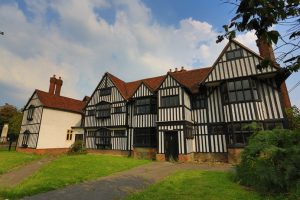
184 115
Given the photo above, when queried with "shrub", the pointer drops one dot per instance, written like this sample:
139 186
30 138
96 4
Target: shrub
77 148
271 162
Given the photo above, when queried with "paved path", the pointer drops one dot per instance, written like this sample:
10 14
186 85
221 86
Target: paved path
16 176
119 185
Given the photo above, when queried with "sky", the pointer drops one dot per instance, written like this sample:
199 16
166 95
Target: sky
132 39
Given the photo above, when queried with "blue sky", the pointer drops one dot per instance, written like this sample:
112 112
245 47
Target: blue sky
81 40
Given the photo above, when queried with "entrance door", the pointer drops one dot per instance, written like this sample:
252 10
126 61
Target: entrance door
171 145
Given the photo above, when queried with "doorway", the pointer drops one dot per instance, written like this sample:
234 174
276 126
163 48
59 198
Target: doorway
171 145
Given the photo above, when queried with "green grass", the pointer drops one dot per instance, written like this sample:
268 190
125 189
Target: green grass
12 159
67 170
204 185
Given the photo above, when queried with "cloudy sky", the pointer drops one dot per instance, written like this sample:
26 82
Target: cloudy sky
81 40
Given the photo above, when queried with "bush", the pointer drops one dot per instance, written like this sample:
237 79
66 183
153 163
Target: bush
77 148
271 162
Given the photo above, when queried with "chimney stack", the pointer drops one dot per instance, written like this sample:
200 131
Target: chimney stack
52 85
176 70
59 83
266 51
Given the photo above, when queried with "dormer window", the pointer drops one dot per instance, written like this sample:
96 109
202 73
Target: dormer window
103 110
234 54
170 101
105 91
30 112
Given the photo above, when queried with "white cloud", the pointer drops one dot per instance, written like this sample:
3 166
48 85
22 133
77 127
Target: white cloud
80 45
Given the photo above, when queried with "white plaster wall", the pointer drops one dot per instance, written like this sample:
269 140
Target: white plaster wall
54 127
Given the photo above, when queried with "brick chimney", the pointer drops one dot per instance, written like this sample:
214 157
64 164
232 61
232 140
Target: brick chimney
266 51
59 83
52 84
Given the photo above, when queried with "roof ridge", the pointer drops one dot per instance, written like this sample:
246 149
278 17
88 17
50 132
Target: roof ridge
58 96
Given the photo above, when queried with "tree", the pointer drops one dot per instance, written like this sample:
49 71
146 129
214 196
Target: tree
260 16
293 116
7 111
15 123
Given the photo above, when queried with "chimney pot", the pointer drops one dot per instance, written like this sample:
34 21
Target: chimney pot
170 70
176 69
52 85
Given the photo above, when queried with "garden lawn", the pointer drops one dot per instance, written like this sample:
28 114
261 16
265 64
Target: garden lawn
12 159
204 185
66 170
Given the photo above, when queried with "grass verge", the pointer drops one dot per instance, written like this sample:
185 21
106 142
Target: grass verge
12 159
196 184
66 170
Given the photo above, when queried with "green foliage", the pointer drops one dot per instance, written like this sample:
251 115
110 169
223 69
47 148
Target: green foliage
7 112
77 148
271 161
260 16
15 123
196 184
293 116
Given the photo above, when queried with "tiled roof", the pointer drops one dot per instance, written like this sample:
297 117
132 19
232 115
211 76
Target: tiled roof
60 102
188 78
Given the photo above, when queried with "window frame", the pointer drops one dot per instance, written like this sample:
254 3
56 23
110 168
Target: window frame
147 137
164 105
30 112
105 91
200 98
119 133
102 139
227 91
103 110
118 111
234 56
151 106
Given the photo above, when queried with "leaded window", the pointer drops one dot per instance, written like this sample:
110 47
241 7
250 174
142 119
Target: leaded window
199 101
239 91
105 91
144 137
118 109
234 54
170 101
30 112
145 106
119 133
273 125
103 139
103 110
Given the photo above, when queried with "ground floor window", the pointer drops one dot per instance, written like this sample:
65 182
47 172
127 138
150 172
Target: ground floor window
120 133
273 125
144 137
103 139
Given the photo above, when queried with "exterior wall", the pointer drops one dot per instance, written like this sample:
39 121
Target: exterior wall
54 126
33 126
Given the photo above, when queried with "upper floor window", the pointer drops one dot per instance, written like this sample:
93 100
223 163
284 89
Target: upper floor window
239 91
145 106
118 109
105 91
30 113
199 101
234 54
119 133
103 110
170 101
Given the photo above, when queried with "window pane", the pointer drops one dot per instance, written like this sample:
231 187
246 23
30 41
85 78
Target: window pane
246 84
238 85
255 94
238 53
247 94
230 86
253 83
232 96
240 96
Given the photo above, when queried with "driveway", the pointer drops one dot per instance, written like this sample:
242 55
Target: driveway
119 185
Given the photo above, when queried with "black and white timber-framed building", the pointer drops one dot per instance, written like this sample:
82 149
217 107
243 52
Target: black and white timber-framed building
187 114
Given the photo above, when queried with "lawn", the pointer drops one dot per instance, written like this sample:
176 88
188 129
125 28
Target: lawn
12 159
66 170
189 185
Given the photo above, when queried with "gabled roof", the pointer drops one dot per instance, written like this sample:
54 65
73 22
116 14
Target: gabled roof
60 102
187 78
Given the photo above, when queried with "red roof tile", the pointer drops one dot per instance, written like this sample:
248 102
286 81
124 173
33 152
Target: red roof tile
189 79
60 102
